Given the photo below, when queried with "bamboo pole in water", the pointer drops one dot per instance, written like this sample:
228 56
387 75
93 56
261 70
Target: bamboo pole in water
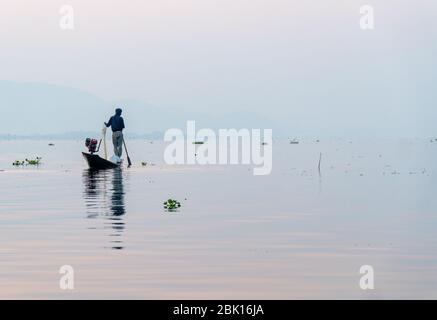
104 142
320 161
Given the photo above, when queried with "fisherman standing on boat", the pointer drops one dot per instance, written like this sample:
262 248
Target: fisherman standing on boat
116 123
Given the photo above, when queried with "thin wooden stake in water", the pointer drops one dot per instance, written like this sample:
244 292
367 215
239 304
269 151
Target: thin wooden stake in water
320 162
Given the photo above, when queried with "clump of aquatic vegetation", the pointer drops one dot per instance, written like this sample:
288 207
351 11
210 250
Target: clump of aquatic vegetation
147 164
26 162
198 142
172 205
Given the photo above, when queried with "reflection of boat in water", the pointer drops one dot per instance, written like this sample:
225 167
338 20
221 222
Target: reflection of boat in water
104 200
97 163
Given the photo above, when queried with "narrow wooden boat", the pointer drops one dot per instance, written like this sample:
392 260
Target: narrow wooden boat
97 163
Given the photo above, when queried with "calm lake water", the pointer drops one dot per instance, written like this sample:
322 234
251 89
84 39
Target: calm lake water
292 234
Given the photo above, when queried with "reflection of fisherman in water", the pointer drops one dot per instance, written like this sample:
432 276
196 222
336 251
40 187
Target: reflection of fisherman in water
117 197
105 200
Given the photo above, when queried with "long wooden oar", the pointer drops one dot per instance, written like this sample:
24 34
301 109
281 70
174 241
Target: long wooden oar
127 154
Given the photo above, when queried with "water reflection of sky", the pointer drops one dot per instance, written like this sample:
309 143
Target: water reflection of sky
288 235
104 197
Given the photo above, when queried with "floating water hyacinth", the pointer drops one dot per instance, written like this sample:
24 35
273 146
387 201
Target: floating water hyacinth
172 205
32 162
144 164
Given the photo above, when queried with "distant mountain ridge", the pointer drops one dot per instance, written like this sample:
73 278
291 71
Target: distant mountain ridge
44 110
79 135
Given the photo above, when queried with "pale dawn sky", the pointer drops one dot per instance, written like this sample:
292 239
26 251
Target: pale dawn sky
304 65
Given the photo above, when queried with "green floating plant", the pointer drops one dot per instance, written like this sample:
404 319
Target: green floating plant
172 205
198 142
34 162
31 162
